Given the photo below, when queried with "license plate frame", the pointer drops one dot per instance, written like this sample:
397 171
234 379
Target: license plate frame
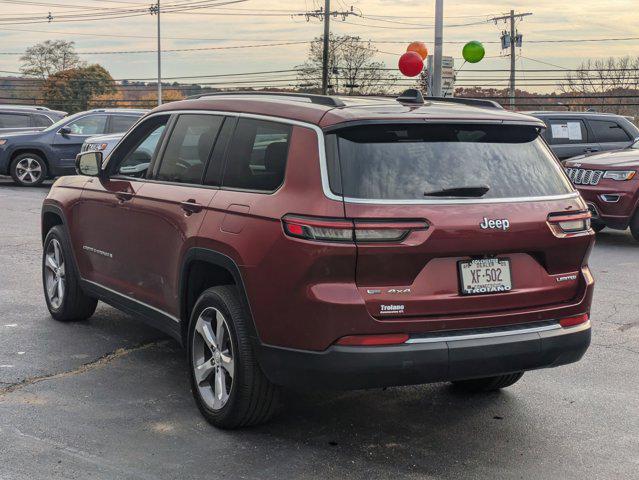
503 286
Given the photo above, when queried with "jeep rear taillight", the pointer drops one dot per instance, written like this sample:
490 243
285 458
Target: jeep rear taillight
569 224
359 231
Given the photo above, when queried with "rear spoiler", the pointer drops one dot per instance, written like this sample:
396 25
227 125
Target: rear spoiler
415 97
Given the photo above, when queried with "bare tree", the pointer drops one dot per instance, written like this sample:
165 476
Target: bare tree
609 80
48 58
352 68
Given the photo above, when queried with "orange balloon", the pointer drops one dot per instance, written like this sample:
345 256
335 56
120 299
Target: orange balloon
420 48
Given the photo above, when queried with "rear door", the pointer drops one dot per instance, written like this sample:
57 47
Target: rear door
121 123
458 197
172 207
14 122
609 134
569 137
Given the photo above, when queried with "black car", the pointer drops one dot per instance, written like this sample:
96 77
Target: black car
16 118
580 133
31 157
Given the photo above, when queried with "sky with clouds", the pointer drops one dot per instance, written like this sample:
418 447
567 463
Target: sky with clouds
270 21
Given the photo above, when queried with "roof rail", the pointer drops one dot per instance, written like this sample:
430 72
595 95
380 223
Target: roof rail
473 102
23 107
317 99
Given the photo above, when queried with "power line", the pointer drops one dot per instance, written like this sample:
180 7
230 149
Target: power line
190 49
324 15
511 40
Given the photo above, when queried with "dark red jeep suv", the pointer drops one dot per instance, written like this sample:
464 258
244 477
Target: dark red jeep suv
609 184
309 241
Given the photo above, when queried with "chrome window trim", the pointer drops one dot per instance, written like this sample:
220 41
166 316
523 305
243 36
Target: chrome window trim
324 167
508 333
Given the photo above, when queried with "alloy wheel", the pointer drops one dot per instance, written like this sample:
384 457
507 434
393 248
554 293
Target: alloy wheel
28 170
55 280
212 358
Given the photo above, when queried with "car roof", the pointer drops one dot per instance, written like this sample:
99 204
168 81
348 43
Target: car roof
31 109
345 109
9 106
555 113
132 111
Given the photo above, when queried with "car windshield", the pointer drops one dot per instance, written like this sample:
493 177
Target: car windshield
62 122
417 162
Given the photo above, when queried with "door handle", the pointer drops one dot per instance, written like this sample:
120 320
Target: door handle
124 196
591 150
190 206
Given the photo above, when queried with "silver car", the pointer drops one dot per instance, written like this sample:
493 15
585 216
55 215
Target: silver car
137 166
102 143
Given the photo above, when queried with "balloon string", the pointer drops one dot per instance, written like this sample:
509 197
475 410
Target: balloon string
456 71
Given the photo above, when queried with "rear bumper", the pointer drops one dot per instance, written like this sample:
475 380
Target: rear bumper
427 359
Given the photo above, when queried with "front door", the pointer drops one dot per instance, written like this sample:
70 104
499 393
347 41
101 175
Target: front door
108 221
67 144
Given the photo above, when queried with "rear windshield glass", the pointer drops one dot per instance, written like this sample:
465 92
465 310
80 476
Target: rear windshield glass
418 162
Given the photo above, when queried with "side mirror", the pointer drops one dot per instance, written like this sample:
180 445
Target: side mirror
64 131
89 163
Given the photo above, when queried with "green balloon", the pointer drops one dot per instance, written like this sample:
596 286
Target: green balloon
473 52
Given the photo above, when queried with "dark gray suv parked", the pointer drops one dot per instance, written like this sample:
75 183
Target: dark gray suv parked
31 157
579 133
16 118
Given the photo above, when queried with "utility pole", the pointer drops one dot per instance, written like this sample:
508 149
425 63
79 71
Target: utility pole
324 14
327 31
511 40
155 10
159 60
436 74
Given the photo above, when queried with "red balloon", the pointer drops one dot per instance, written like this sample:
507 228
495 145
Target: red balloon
411 64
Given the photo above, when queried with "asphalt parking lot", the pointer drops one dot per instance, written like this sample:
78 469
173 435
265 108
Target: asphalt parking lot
109 398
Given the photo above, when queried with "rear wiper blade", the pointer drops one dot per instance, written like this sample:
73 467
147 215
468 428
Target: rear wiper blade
469 191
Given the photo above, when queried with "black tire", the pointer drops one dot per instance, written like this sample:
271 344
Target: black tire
488 384
634 225
28 170
597 226
252 399
73 305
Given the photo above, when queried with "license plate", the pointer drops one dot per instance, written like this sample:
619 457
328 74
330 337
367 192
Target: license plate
488 275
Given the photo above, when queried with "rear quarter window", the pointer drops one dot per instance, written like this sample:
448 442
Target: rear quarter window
41 120
410 162
606 131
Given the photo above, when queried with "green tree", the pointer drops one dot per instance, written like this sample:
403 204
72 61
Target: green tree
48 58
73 90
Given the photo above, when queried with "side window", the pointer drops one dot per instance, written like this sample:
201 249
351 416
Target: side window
89 125
566 131
257 155
607 131
121 123
14 120
134 154
40 120
189 147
